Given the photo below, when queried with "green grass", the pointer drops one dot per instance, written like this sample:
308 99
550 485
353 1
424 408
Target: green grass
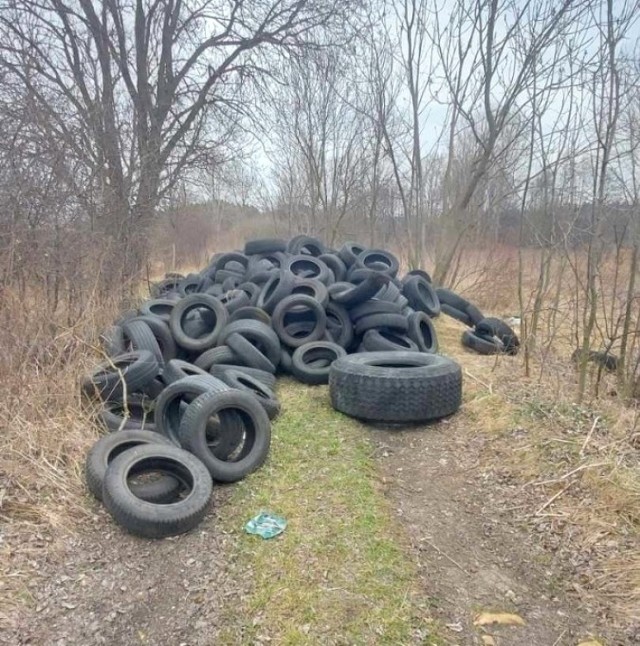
340 573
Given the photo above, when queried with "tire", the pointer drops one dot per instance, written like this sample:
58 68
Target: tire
339 324
252 291
257 430
312 287
191 303
249 354
423 332
390 293
168 412
360 293
107 448
385 340
235 299
459 315
308 267
232 257
447 297
264 245
306 245
150 520
481 345
278 286
178 369
292 304
335 264
260 335
133 415
112 341
371 307
417 272
135 369
250 313
306 355
190 285
286 362
349 253
491 326
221 354
396 386
395 322
266 378
162 333
474 314
379 260
240 380
138 336
421 296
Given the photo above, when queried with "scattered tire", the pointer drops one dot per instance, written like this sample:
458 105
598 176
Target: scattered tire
480 344
396 386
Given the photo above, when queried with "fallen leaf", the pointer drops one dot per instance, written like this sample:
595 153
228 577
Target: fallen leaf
488 640
504 618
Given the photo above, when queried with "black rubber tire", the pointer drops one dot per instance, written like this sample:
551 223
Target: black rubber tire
257 430
390 293
251 313
360 293
188 304
168 413
286 362
177 369
252 290
474 313
151 520
379 260
264 245
161 288
421 296
491 326
417 272
373 306
232 257
266 378
302 266
221 354
339 324
190 284
138 336
107 448
249 354
396 386
459 315
134 415
306 355
162 333
349 253
228 279
240 380
386 340
481 345
448 297
335 264
306 245
278 286
395 322
135 369
423 332
292 304
260 335
112 341
312 287
235 299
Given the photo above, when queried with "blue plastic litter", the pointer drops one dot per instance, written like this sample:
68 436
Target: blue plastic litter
266 525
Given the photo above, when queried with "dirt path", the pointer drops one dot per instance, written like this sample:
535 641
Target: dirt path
471 556
111 588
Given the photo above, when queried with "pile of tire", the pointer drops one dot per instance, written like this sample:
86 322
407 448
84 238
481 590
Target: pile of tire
488 335
187 388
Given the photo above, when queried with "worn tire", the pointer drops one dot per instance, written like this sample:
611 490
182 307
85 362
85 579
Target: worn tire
150 520
491 326
193 302
306 356
264 245
457 314
421 296
386 340
423 332
396 386
240 380
257 430
480 344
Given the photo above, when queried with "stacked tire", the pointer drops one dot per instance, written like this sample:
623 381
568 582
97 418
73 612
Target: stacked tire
186 388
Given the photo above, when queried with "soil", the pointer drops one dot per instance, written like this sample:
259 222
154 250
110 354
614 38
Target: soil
472 555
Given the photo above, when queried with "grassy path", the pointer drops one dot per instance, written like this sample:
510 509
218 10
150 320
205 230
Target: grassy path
339 573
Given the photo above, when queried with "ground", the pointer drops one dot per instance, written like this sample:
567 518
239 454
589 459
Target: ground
395 536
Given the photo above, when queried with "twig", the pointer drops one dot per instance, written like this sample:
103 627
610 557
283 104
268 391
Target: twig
589 434
479 381
565 476
437 549
557 641
554 497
